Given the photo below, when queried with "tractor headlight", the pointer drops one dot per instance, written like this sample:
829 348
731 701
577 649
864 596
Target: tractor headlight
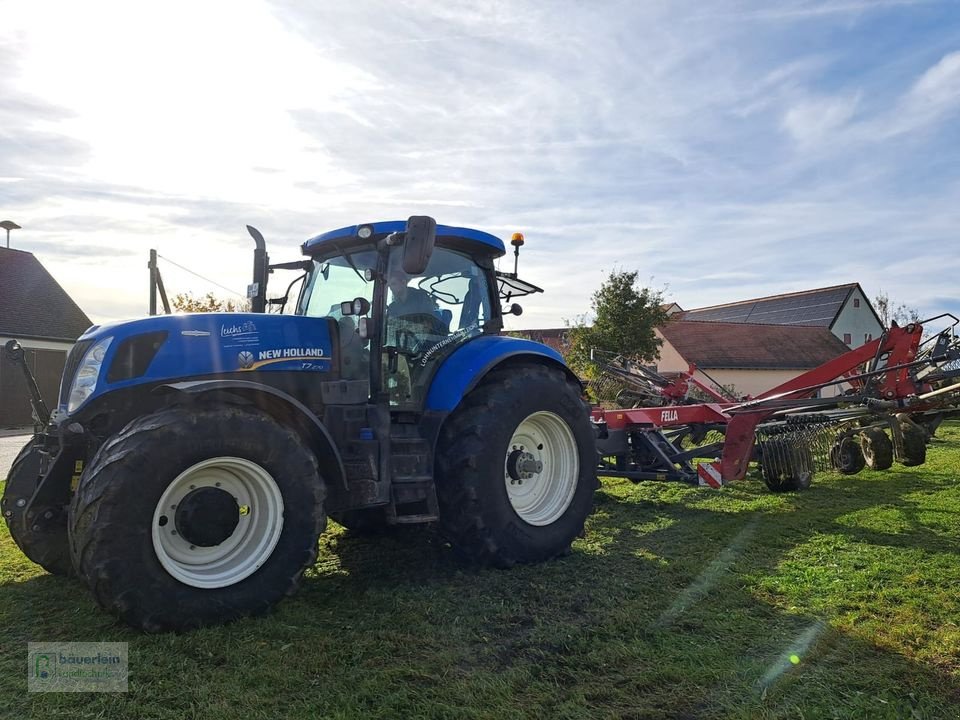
85 380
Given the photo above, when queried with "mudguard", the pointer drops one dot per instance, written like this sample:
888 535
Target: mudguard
283 407
461 372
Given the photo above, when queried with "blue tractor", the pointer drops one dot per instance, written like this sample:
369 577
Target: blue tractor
192 460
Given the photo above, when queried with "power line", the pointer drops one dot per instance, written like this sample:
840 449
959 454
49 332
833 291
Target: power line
212 282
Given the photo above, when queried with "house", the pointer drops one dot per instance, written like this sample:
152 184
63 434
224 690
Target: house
842 309
751 357
35 310
556 338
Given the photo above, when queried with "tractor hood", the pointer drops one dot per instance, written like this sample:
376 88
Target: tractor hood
170 347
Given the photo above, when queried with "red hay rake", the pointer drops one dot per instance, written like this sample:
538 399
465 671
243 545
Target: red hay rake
896 391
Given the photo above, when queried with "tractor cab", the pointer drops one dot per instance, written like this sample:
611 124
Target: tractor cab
405 295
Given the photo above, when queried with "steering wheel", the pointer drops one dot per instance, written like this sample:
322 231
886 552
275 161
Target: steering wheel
435 325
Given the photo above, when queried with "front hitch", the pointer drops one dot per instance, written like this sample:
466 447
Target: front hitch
41 415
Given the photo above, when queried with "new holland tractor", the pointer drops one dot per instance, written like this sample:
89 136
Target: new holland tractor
192 460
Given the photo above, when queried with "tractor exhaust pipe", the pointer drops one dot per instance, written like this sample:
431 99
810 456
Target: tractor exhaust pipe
257 290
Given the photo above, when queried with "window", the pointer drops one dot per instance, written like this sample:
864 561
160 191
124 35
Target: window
847 338
428 317
856 302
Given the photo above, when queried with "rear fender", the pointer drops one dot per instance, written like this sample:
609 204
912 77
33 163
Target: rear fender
469 364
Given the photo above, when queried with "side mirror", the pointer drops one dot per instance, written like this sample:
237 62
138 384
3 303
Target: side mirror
418 244
358 306
514 309
14 351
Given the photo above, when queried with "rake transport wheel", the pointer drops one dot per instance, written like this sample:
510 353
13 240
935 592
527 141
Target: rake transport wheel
846 457
44 541
877 449
914 444
784 466
516 467
196 516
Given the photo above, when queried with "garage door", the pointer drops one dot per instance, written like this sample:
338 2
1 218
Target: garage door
47 367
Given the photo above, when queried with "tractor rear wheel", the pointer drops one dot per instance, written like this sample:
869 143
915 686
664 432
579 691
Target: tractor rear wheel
784 466
846 456
516 467
877 449
44 542
196 516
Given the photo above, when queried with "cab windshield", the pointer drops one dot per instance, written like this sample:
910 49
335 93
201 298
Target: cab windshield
334 280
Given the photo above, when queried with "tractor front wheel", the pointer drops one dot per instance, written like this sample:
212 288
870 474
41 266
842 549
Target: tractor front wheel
196 516
517 467
42 539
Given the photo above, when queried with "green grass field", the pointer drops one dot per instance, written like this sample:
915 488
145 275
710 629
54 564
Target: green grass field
678 603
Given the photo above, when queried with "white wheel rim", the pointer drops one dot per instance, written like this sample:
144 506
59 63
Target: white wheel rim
543 440
260 521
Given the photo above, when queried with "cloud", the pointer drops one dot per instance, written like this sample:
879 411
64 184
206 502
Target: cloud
731 152
934 96
811 120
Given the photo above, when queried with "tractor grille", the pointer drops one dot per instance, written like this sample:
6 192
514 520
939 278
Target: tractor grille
70 368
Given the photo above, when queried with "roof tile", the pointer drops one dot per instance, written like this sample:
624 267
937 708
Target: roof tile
32 303
752 346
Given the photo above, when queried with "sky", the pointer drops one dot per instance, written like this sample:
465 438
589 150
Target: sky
725 150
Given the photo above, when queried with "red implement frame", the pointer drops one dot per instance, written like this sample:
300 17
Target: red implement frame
891 354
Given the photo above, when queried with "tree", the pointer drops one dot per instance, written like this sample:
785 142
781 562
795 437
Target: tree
186 302
625 316
902 314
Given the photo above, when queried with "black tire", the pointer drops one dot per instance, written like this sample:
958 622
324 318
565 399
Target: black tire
476 512
112 515
931 425
914 444
47 546
846 457
785 467
369 521
24 451
877 449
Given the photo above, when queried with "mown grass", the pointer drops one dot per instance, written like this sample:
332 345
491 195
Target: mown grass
677 603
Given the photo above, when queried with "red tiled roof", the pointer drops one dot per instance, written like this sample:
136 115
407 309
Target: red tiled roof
752 346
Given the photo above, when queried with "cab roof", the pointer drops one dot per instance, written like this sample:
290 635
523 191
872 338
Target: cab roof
476 240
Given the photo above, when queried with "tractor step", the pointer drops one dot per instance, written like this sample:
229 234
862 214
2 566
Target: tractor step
413 497
413 500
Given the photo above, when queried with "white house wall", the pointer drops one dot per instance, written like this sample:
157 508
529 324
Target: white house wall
746 382
859 322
